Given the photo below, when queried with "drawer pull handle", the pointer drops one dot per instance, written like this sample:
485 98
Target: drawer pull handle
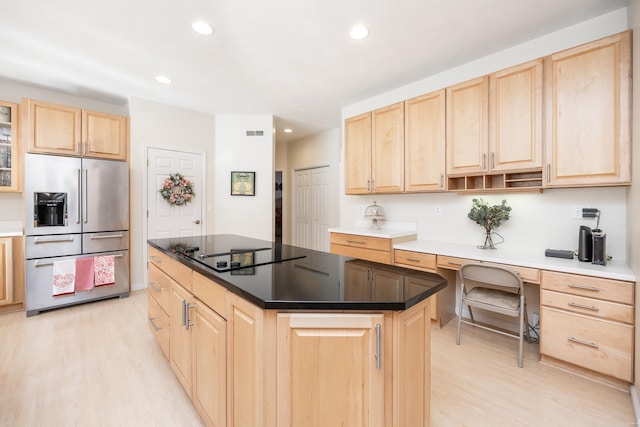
586 288
588 344
155 327
586 307
153 286
357 242
413 259
154 259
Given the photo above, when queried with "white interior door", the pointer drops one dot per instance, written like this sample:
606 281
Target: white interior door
311 208
166 220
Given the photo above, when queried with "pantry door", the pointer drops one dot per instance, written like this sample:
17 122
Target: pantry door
164 219
311 208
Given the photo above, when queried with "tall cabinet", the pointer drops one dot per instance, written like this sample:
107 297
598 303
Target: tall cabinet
588 96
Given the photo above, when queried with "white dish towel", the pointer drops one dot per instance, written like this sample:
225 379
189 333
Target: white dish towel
64 277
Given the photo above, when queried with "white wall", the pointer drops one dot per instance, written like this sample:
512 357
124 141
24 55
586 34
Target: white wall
322 149
250 216
162 126
538 221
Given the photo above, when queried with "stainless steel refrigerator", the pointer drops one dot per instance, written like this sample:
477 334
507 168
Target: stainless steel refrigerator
75 208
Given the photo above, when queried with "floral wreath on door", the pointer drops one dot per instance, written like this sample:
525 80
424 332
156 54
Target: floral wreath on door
177 190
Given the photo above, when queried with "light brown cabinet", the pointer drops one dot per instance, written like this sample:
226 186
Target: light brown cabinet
59 129
468 126
181 307
6 271
424 143
374 151
588 323
588 104
345 351
10 158
377 249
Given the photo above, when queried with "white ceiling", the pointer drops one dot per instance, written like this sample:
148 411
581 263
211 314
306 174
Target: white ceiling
290 58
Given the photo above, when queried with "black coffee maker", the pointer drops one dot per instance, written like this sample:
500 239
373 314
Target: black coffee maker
592 244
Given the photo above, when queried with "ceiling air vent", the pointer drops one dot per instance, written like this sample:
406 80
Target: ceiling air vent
255 133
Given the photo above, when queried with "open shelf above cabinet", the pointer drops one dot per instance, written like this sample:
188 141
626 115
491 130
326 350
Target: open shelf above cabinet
530 181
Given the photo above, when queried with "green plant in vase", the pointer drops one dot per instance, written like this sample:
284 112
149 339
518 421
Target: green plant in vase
489 217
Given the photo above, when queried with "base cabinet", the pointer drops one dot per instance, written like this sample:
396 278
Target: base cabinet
342 350
588 323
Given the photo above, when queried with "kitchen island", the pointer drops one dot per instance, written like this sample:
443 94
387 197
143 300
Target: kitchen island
264 334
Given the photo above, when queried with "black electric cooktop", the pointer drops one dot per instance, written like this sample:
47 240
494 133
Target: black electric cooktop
229 252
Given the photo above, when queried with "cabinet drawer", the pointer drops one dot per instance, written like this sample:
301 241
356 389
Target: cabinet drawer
159 286
209 292
159 259
589 306
528 275
593 287
356 241
596 344
159 324
418 260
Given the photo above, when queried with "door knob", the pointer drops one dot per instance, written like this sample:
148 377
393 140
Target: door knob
197 221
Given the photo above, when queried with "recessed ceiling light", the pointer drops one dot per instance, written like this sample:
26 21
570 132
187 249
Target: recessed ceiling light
202 27
287 130
359 32
163 79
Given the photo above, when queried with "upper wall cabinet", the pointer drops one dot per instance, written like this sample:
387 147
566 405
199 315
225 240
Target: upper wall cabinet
424 143
588 114
467 126
10 160
58 129
515 118
374 151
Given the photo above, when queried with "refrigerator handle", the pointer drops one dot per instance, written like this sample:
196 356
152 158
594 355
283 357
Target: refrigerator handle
85 202
78 199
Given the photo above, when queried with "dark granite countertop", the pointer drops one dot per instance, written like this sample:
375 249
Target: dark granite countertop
303 278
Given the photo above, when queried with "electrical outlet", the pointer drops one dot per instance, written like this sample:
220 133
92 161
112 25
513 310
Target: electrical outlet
576 211
437 210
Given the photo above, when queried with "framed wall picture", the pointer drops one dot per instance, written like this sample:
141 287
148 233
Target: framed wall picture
243 183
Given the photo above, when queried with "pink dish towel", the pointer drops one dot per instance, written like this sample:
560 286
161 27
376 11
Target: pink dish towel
84 274
64 277
104 270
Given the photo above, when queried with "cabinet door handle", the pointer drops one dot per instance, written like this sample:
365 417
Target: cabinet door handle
484 160
356 242
153 324
184 313
586 307
586 343
153 286
441 180
379 346
188 306
493 160
586 288
548 172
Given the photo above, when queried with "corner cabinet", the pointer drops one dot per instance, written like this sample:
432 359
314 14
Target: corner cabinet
374 151
59 129
424 143
10 159
588 95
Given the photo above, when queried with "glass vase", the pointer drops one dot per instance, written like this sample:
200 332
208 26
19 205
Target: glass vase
488 241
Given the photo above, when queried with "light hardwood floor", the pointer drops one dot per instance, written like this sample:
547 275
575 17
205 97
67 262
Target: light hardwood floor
98 365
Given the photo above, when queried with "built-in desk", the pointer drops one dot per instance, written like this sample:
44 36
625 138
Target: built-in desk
586 310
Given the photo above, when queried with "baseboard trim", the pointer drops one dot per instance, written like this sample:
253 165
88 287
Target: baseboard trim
636 404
